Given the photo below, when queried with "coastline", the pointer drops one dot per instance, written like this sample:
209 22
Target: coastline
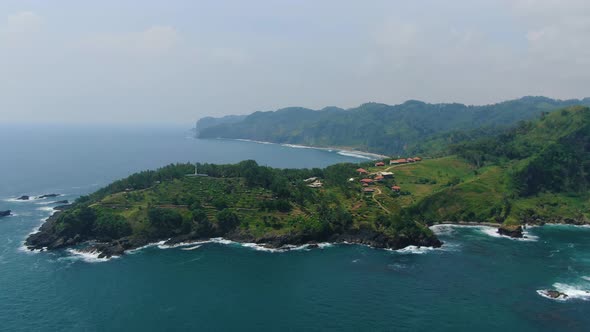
340 150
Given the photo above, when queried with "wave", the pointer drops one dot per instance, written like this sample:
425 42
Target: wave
253 141
573 292
88 257
354 155
192 248
46 208
448 229
493 232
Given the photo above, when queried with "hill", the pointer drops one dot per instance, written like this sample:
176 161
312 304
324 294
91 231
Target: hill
408 128
536 172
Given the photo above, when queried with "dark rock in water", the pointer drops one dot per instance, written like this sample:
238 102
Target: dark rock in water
514 231
554 294
24 198
313 246
5 213
65 201
62 207
48 195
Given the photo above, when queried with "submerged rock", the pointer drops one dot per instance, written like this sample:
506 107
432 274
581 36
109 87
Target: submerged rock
5 213
65 201
24 198
515 231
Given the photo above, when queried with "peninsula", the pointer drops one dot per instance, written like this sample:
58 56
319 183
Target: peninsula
536 172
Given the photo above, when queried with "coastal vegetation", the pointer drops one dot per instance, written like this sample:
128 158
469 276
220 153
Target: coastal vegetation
413 127
535 172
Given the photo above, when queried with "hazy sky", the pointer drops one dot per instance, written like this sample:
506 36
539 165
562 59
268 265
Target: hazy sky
176 61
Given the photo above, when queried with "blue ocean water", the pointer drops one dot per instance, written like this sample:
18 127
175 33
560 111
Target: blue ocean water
477 281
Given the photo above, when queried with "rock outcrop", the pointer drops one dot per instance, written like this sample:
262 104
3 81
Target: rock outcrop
5 213
514 231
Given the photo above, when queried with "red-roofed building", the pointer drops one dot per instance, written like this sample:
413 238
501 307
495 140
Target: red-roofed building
366 181
368 190
396 188
411 160
398 161
379 164
362 171
417 159
379 178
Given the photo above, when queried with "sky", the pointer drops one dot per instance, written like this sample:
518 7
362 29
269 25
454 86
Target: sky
123 61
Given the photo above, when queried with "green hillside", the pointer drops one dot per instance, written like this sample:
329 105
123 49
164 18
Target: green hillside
409 128
537 172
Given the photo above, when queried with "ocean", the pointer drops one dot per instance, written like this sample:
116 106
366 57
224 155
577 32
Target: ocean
477 281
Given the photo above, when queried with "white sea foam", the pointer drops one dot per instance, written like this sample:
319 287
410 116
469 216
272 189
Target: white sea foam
493 232
253 141
192 248
573 292
88 257
149 245
46 208
355 155
415 250
586 278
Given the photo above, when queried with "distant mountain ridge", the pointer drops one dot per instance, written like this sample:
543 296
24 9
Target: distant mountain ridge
411 127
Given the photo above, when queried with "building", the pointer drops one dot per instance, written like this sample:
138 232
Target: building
396 188
367 181
316 184
368 190
386 174
379 178
379 164
398 161
362 171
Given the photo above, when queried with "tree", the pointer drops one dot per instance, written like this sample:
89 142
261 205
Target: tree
227 220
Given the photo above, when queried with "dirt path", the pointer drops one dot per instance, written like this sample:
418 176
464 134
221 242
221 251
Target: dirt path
378 192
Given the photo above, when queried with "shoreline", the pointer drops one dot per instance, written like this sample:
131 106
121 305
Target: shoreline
340 150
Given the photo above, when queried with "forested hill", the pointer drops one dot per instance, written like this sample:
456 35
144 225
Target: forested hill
411 127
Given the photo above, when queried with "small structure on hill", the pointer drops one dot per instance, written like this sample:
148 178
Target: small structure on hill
362 171
367 181
396 188
417 159
368 190
197 172
310 179
386 174
398 161
379 164
379 178
316 184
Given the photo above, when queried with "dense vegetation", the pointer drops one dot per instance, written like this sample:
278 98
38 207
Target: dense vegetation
538 171
410 128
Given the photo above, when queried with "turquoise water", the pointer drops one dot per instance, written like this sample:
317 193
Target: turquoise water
477 281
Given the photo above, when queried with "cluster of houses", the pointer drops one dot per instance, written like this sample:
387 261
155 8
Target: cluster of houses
401 161
367 181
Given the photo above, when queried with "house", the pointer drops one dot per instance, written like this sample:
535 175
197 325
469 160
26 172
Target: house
379 164
362 171
368 190
367 181
386 174
417 159
310 179
316 184
396 188
379 178
398 161
410 160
